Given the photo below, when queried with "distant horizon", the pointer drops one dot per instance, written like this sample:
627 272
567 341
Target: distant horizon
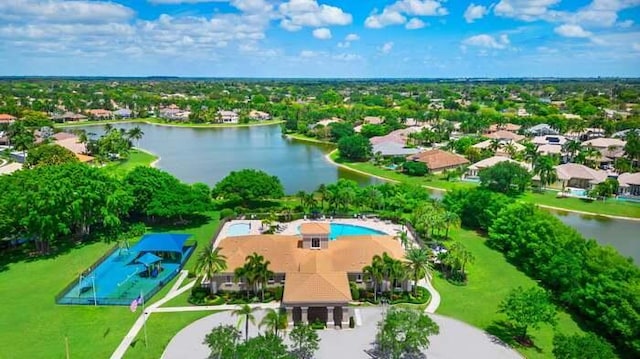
321 38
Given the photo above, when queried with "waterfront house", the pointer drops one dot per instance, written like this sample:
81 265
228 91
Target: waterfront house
629 185
314 270
505 127
392 149
259 115
122 113
474 169
68 117
173 113
100 114
579 176
228 116
439 160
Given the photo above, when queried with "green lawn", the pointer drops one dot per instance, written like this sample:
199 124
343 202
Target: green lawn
161 327
136 158
157 121
611 207
490 280
33 326
301 137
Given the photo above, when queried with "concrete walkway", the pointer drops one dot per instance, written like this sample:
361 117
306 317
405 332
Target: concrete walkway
435 295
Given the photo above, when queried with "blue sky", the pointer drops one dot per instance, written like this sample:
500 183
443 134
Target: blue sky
321 38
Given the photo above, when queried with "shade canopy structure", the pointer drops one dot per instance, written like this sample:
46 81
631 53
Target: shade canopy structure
148 259
161 242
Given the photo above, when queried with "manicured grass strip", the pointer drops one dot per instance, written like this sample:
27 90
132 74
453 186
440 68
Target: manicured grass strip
181 300
136 158
300 137
161 327
490 280
611 206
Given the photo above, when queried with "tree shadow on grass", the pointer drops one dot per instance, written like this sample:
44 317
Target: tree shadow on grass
502 333
191 222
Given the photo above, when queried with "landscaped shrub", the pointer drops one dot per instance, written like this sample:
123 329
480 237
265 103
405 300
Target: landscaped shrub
317 325
227 212
355 292
415 168
199 294
277 292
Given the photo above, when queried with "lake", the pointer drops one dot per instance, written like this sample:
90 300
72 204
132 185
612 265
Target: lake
209 154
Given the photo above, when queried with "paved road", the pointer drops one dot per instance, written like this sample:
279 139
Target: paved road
456 339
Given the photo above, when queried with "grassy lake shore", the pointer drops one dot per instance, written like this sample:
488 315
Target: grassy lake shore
159 122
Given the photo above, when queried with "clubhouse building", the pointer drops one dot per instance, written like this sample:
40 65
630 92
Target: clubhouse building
314 270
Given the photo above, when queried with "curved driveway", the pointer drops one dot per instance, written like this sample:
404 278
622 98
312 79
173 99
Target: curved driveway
456 339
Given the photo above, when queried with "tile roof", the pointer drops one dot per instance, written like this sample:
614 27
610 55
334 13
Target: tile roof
604 142
505 135
492 161
627 179
325 287
568 171
437 159
6 118
315 228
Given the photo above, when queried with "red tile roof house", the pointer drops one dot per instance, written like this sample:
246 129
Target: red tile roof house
6 118
100 114
439 160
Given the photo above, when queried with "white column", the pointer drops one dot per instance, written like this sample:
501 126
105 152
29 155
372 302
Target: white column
303 315
345 317
330 322
289 315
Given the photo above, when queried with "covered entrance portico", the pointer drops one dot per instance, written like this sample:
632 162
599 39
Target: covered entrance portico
333 315
317 297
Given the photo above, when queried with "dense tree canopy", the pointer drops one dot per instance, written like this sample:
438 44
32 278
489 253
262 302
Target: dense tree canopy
528 308
248 185
159 194
355 148
581 346
505 177
403 333
49 154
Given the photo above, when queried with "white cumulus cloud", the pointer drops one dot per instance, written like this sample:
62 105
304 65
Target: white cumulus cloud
527 10
487 41
322 33
570 30
56 11
475 12
396 13
386 47
297 14
352 37
415 24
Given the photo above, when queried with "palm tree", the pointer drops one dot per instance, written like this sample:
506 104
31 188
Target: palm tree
135 134
274 320
245 312
458 257
107 128
544 167
375 273
302 196
263 274
418 264
494 145
322 190
451 219
404 239
572 147
210 262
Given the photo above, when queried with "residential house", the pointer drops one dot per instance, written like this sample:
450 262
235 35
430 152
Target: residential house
259 115
325 122
122 113
173 113
68 117
505 147
505 136
522 113
100 114
610 149
228 116
556 140
579 176
314 271
6 118
629 184
398 136
505 127
392 149
372 120
439 160
474 169
542 129
585 135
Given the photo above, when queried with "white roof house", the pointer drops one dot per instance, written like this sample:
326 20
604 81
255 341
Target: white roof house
474 169
541 130
393 149
228 116
259 115
549 140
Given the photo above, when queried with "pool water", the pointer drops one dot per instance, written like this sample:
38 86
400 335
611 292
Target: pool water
239 229
343 229
118 280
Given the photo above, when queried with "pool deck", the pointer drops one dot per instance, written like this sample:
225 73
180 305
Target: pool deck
291 228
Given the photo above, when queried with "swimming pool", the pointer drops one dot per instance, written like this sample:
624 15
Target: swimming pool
343 229
120 278
239 229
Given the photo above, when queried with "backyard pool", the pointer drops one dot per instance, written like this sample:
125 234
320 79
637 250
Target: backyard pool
343 229
124 273
239 229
